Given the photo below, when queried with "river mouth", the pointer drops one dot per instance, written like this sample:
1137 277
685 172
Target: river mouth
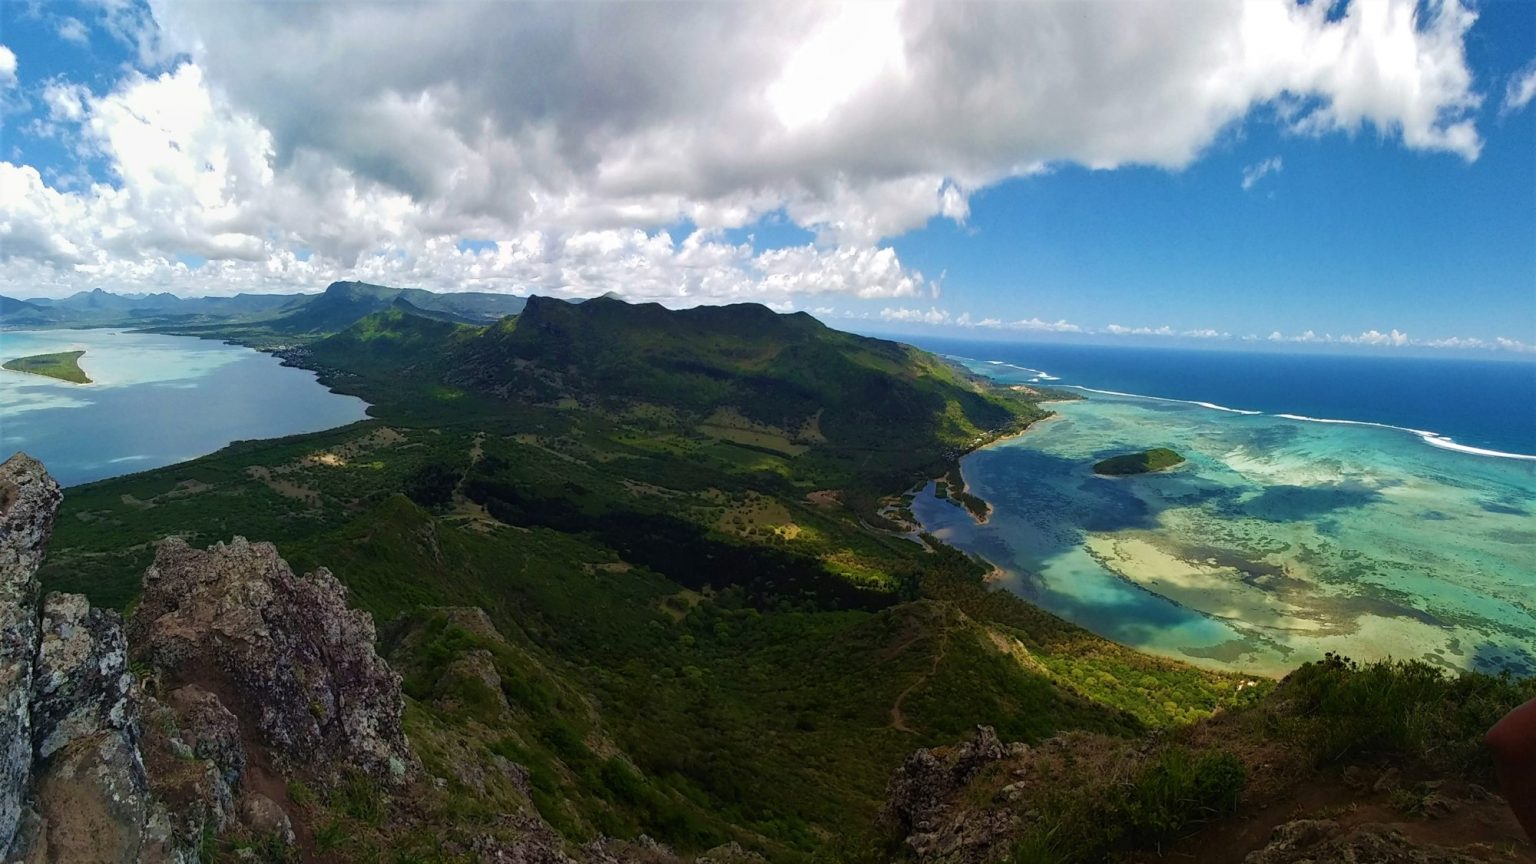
153 400
1279 541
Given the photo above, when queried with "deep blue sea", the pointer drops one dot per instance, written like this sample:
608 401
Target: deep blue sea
1488 404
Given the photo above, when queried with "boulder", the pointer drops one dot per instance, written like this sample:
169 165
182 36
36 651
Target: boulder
94 804
209 730
264 818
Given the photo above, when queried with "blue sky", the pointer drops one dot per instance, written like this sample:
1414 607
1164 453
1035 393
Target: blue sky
1198 173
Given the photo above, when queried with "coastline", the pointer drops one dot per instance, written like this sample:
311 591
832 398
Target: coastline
1276 541
1006 373
957 472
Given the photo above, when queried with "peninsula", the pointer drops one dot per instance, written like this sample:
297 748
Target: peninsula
64 365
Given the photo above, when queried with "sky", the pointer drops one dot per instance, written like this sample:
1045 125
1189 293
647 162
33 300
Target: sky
1351 174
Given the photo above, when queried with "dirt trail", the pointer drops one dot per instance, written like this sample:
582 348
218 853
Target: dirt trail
898 719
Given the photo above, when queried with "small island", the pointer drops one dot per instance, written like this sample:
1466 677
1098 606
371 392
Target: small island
1147 461
64 366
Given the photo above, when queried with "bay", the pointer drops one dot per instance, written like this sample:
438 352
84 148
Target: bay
153 400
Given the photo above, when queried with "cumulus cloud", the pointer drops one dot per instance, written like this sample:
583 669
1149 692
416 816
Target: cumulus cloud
1395 338
918 316
345 135
1520 90
1392 338
74 31
1024 324
1254 173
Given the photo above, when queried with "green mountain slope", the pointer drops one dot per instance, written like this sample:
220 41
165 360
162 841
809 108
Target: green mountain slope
698 622
841 410
20 313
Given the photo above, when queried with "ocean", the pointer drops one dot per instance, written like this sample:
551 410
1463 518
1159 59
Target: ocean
1408 531
1485 404
154 400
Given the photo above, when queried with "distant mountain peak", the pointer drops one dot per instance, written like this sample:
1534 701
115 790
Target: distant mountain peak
355 288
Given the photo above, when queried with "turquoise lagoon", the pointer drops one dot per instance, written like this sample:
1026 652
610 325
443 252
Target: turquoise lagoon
1280 539
154 400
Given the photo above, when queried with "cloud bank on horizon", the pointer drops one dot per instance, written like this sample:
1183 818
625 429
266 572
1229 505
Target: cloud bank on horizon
575 149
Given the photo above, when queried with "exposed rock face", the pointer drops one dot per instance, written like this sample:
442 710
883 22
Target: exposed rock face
282 651
920 795
29 498
1315 840
73 787
81 683
94 805
209 730
264 818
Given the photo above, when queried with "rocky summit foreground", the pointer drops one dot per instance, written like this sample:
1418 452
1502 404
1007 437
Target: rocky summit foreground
236 690
248 676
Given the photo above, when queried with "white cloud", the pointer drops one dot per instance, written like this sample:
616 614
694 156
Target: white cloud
1026 324
1391 339
66 102
1398 339
7 67
573 134
1254 173
918 316
1059 326
1520 90
74 31
1119 330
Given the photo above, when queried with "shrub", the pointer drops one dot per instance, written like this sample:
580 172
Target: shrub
1169 794
1394 708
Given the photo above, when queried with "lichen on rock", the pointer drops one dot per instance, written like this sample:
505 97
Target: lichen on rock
282 652
29 499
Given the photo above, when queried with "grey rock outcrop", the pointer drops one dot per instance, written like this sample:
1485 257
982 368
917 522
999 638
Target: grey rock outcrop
283 652
1306 841
921 794
73 784
209 730
80 684
94 805
29 498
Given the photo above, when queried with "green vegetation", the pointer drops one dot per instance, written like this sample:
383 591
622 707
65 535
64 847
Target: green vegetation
1157 799
1156 459
1406 711
64 366
1093 799
640 554
674 522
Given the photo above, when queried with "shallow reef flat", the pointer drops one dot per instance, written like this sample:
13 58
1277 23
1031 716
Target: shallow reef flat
1280 540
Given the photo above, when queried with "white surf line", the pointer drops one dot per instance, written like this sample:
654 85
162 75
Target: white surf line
1211 405
1434 439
